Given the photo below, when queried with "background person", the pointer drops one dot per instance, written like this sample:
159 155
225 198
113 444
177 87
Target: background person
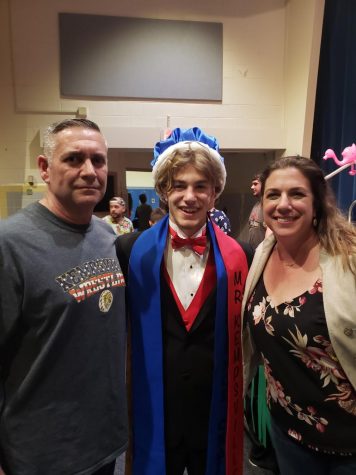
156 215
185 282
117 219
301 319
256 227
142 215
62 319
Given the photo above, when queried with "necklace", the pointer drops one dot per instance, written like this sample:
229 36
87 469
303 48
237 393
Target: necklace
305 257
285 263
289 264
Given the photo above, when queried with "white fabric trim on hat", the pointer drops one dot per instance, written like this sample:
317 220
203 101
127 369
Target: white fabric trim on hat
195 145
117 199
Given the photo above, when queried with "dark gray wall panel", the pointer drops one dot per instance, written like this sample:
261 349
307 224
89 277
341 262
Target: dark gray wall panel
140 58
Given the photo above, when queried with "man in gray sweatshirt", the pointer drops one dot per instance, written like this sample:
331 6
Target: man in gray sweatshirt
62 319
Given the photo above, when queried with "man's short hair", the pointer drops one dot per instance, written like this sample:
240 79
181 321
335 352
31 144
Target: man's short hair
257 176
143 198
56 127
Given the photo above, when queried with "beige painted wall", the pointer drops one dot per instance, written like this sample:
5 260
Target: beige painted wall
265 105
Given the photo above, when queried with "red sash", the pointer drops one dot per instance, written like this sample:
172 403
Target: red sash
236 268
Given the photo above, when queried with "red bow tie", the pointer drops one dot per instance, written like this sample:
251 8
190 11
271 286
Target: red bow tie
198 244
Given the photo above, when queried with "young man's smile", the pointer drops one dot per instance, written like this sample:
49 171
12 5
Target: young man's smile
189 200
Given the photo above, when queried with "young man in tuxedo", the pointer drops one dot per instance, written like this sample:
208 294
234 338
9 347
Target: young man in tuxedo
185 282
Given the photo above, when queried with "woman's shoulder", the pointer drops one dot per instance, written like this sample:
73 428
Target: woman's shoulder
338 269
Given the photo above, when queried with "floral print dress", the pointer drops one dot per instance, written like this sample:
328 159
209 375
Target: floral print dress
308 393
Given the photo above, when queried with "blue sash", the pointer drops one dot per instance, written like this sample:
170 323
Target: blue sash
147 356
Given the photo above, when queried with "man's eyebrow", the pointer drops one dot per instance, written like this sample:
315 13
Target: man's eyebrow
99 154
80 153
73 152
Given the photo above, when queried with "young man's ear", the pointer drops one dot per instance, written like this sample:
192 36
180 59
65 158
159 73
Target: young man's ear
42 163
212 199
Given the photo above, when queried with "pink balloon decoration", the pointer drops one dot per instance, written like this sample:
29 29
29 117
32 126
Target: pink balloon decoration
348 157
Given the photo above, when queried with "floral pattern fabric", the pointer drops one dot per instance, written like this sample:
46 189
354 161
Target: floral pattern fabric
123 227
308 393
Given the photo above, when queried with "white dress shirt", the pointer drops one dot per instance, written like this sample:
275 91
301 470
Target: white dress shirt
185 267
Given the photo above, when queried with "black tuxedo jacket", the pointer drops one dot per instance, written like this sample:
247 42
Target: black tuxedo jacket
188 362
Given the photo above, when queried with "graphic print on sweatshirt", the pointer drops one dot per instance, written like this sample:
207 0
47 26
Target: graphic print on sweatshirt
92 277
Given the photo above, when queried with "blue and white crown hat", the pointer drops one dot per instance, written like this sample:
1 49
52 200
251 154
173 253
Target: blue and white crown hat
179 139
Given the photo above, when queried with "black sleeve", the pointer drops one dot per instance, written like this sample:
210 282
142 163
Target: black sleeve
248 250
123 246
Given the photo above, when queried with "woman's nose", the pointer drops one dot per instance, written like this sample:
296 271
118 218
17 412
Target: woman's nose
284 201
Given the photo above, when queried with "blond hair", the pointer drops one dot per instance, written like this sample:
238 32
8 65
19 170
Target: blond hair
189 153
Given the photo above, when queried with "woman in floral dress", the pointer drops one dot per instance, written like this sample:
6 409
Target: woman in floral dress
300 321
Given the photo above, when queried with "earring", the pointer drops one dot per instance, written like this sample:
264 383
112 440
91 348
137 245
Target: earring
315 222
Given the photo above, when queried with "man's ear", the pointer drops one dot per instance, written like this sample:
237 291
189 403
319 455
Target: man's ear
42 163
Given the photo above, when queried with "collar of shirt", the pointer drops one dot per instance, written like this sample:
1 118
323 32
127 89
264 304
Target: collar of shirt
185 267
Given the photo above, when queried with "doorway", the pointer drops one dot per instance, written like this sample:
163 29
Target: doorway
138 182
